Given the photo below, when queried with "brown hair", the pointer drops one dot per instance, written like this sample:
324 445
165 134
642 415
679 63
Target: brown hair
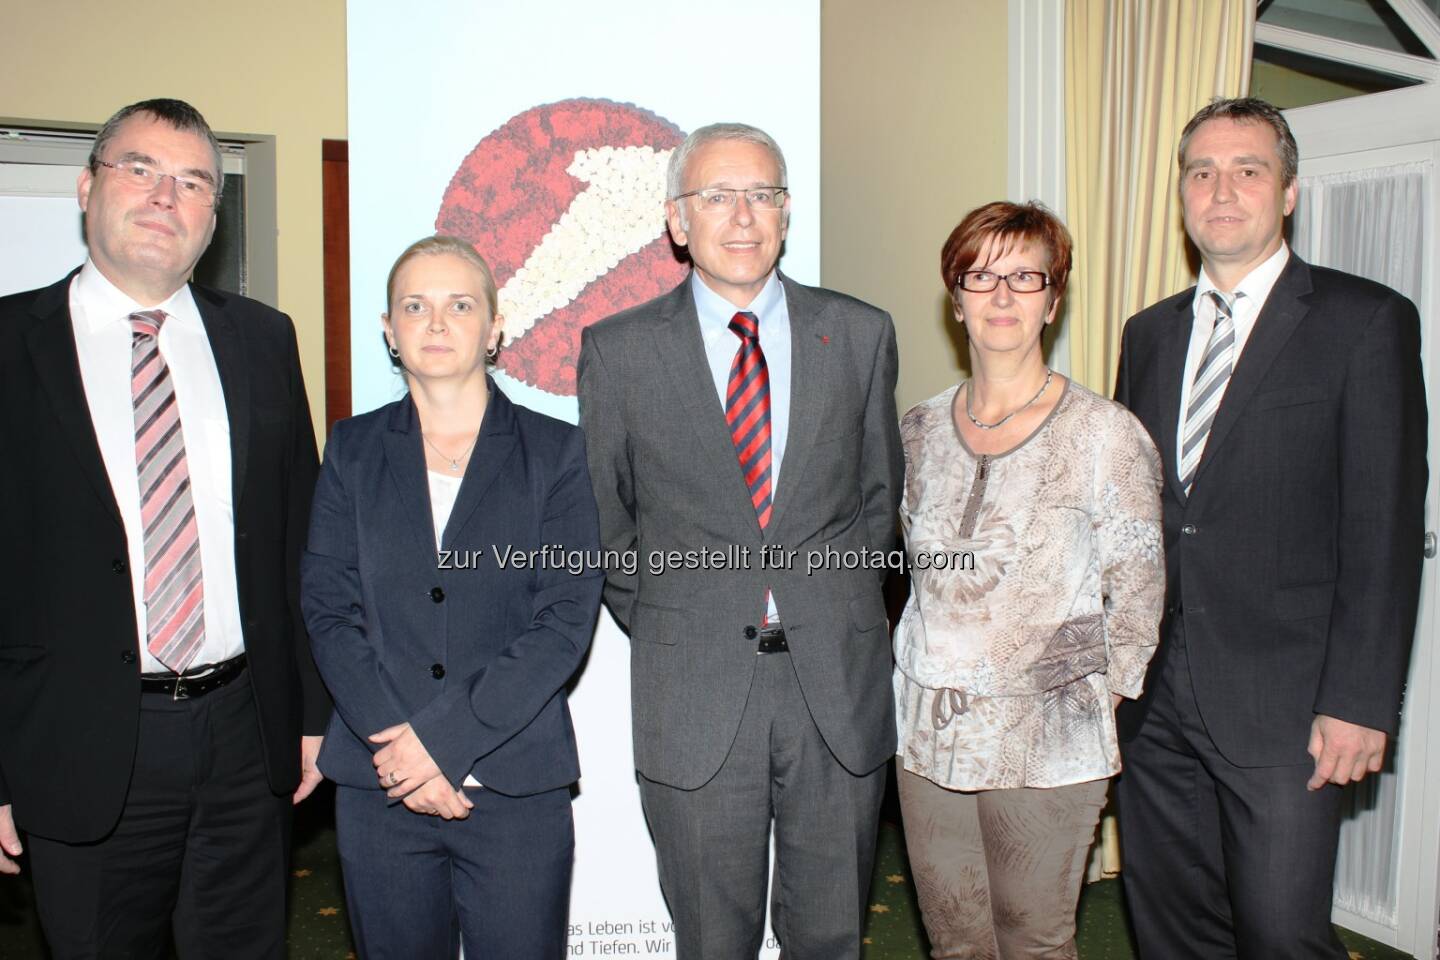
1005 225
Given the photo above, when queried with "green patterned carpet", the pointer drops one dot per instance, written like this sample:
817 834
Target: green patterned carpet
319 929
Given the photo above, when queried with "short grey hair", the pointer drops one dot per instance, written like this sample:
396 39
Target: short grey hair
675 174
1247 110
174 113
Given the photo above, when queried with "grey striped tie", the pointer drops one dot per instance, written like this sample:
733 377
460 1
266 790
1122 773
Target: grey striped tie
1210 382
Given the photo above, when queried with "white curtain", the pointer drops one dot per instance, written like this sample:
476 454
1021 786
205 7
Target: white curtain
1368 222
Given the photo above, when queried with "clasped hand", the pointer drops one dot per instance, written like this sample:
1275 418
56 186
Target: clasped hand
405 769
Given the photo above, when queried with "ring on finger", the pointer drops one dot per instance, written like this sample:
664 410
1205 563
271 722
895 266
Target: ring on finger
392 779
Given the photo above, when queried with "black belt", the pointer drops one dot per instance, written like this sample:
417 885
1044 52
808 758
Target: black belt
193 683
772 640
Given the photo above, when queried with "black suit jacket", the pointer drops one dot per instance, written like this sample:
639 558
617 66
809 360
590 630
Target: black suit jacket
1296 559
472 652
69 670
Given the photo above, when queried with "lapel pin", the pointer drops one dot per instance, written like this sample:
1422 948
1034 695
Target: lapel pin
825 338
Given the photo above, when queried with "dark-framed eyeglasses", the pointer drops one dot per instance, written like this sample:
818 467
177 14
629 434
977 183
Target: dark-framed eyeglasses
142 176
724 198
1020 281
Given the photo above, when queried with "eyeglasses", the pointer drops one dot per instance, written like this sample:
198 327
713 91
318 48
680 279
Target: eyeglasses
142 176
1021 281
724 198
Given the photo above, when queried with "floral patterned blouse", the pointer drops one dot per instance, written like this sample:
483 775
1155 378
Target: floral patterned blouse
1037 583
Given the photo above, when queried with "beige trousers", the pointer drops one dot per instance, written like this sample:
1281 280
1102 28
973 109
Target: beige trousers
998 872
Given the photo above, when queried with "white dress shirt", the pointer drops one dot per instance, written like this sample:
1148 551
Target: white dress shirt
444 489
721 345
1249 296
100 316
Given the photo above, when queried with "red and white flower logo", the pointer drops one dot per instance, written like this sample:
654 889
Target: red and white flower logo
566 202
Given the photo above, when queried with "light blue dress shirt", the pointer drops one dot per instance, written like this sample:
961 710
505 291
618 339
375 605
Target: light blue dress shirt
721 345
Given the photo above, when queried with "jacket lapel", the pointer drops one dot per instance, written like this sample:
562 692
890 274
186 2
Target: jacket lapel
228 348
57 365
493 449
1170 360
1282 313
809 373
682 353
405 459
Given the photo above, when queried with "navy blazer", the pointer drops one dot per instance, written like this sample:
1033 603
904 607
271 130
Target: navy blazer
471 648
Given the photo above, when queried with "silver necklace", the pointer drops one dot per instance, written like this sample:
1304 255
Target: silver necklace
969 411
453 461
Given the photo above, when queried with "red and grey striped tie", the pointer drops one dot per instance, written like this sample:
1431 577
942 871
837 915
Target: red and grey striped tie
174 589
747 411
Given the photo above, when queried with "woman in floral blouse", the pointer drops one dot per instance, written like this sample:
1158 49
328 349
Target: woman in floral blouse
1032 522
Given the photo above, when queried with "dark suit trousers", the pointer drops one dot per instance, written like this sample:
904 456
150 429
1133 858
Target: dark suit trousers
1221 861
712 844
417 885
202 844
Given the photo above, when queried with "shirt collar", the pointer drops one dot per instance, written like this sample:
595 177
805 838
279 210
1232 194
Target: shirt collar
1257 284
106 303
715 311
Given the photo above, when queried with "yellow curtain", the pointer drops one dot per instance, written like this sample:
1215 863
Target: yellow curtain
1135 72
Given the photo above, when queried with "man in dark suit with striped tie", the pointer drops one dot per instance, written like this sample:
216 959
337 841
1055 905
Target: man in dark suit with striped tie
746 414
1289 408
155 676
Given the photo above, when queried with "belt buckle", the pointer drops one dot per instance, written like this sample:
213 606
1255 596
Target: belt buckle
772 640
180 693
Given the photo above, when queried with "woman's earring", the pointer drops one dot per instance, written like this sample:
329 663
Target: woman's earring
492 353
393 352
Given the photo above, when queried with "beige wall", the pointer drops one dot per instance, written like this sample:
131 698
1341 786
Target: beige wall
263 67
899 167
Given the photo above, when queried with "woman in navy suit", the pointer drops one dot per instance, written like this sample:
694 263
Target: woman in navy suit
448 656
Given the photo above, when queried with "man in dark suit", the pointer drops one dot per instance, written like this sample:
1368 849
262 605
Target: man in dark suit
155 677
1288 404
742 437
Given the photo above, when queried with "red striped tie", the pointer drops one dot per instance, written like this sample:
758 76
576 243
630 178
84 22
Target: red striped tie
747 411
174 590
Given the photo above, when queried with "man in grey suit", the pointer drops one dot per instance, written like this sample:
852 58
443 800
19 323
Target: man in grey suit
743 440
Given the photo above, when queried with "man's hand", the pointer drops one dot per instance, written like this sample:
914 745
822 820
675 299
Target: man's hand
437 798
9 842
1343 751
310 776
404 763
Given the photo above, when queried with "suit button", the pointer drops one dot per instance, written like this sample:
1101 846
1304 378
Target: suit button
751 633
1188 529
437 670
127 656
241 535
437 595
119 566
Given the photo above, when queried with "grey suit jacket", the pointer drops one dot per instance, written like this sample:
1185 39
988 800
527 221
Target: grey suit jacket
667 479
